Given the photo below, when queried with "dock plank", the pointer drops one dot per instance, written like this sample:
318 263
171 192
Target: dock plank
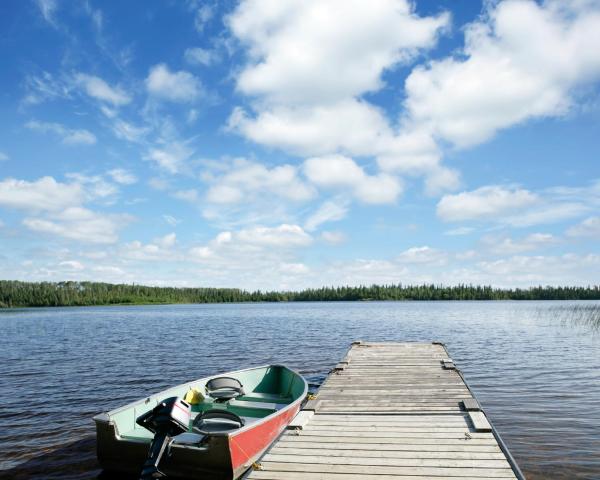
394 470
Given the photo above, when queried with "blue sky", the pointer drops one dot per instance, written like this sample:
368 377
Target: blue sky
289 144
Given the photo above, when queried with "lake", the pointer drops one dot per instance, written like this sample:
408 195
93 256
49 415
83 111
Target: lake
534 366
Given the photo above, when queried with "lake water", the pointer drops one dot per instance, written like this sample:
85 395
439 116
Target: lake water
534 366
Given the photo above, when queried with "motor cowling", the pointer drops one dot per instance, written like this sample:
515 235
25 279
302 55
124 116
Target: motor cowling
169 418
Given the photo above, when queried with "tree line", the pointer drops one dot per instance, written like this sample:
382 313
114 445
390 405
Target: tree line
63 294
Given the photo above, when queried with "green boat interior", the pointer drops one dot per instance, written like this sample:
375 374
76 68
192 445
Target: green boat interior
266 390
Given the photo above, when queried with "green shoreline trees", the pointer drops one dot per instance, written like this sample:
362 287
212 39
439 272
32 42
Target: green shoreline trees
46 294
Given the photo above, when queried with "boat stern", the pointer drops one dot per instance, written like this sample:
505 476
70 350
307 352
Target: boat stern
209 456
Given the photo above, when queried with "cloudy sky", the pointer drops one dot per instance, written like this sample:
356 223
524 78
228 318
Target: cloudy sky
291 143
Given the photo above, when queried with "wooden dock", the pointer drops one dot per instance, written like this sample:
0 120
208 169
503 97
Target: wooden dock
390 411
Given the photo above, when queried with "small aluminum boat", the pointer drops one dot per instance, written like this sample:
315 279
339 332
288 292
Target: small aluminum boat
235 419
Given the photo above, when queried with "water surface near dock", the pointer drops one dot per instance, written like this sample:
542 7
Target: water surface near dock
535 367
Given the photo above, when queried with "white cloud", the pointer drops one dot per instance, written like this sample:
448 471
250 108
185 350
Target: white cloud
333 238
459 231
72 265
363 272
411 151
97 19
464 268
467 255
112 271
294 268
241 257
590 227
352 126
127 131
223 193
335 171
282 236
48 10
4 157
95 186
202 17
178 86
521 61
200 56
524 270
192 116
57 209
249 252
97 88
168 241
329 211
122 176
201 253
252 247
108 111
441 179
171 220
80 224
170 157
223 237
44 194
422 255
68 136
160 249
79 137
95 255
551 211
190 195
513 206
246 180
159 184
507 246
484 203
323 37
44 87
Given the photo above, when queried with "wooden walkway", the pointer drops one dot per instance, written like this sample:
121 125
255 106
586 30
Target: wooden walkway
390 411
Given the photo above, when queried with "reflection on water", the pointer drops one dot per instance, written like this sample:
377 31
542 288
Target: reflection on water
535 367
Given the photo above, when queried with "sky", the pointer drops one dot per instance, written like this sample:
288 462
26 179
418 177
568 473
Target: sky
285 144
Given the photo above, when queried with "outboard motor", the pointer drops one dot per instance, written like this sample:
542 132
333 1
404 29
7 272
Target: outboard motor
169 418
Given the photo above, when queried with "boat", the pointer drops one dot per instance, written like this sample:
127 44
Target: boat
216 427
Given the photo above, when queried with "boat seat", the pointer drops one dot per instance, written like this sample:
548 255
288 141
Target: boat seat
217 420
188 438
261 405
222 389
251 420
268 397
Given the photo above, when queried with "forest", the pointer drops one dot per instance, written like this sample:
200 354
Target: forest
64 294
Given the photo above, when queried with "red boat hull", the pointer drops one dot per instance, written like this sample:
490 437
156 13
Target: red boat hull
247 446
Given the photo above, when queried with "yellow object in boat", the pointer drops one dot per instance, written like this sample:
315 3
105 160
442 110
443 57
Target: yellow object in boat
194 396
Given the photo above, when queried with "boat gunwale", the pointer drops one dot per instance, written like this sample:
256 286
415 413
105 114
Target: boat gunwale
104 417
276 413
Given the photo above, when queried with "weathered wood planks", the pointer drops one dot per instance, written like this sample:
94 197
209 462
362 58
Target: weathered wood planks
390 411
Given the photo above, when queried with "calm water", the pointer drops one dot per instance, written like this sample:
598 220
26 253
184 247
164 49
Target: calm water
535 367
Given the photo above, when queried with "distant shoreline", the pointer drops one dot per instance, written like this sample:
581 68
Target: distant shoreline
17 294
4 308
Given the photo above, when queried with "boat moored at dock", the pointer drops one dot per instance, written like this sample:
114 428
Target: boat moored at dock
233 418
